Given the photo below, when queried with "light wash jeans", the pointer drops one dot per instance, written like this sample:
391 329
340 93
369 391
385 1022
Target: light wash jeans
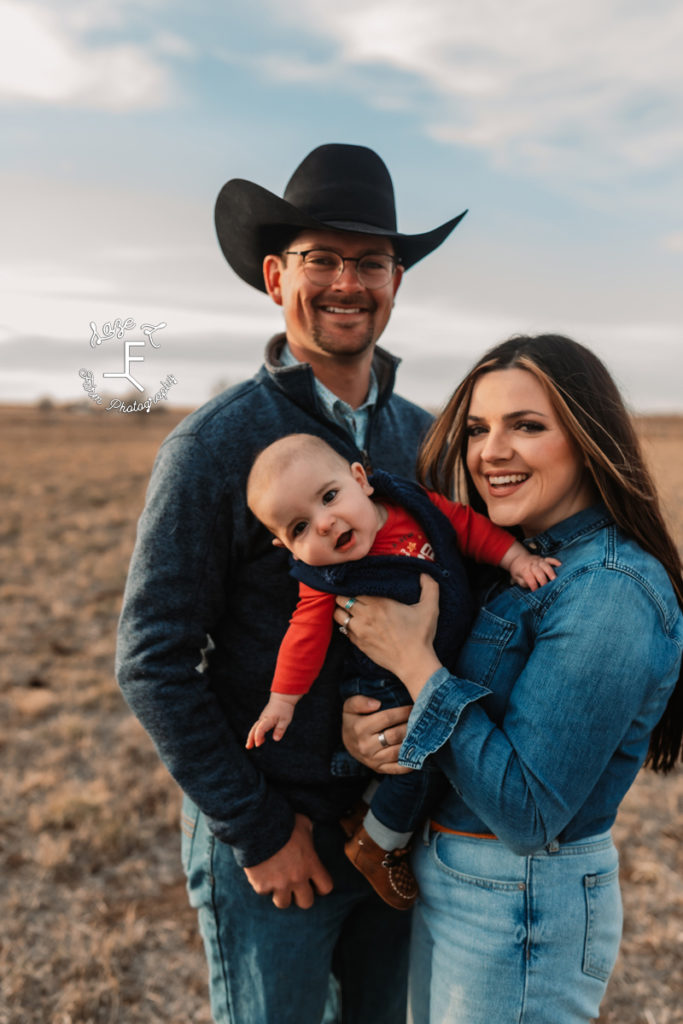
270 966
510 939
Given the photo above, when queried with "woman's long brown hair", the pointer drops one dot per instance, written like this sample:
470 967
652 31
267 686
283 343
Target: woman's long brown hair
591 410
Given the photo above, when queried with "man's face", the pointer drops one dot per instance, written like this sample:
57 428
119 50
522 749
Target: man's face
343 319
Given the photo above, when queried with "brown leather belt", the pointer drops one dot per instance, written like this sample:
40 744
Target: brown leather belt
435 827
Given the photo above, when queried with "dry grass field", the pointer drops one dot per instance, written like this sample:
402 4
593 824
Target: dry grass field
95 924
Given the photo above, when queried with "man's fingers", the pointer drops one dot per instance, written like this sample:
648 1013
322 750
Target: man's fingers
303 895
282 898
322 880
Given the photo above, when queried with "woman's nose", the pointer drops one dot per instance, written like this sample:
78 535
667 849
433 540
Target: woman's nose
496 446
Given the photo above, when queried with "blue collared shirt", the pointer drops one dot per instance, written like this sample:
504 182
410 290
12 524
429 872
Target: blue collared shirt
337 410
546 720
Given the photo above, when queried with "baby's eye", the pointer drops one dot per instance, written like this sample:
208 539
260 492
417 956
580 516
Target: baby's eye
298 528
329 496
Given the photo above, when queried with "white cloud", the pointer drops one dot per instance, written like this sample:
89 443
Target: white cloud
531 82
46 58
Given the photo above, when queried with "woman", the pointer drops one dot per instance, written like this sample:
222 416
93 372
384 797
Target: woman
557 698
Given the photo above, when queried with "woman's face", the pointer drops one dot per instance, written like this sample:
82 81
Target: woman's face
523 463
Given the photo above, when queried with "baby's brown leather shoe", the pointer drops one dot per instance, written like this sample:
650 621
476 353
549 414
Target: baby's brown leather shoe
388 872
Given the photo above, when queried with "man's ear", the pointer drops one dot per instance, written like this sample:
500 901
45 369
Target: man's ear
272 276
398 277
361 477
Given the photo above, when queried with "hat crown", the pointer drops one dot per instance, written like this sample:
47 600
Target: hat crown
339 183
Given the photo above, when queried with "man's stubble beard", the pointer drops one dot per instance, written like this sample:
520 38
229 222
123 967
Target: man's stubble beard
334 346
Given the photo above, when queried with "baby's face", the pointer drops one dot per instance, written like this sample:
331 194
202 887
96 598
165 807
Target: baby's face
320 510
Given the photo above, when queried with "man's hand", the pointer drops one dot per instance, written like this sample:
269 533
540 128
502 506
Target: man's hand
293 873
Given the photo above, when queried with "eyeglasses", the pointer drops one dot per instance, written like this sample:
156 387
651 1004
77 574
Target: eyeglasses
324 267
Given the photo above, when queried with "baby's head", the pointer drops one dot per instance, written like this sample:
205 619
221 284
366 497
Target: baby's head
316 504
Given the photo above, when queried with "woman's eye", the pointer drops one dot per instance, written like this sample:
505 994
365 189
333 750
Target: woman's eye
531 426
475 431
329 496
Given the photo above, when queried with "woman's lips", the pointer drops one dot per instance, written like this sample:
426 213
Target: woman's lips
500 483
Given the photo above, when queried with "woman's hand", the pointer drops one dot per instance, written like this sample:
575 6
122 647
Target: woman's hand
399 637
374 737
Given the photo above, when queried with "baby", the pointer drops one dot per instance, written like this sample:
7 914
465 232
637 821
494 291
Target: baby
351 534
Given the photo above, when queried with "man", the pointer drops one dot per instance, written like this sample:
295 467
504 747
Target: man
208 599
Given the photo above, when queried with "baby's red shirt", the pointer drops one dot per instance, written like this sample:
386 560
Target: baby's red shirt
304 646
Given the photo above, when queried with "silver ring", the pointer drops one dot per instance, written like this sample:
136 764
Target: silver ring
349 604
383 741
343 628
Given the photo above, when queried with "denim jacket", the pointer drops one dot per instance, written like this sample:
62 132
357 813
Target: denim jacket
546 720
208 599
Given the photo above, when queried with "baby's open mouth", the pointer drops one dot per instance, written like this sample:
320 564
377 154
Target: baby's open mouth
343 539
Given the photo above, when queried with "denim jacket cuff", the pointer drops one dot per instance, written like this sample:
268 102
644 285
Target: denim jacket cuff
435 715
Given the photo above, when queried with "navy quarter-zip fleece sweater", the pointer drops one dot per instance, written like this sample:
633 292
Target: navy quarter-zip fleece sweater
208 599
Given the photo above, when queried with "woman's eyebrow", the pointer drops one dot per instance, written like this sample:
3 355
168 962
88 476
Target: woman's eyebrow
511 415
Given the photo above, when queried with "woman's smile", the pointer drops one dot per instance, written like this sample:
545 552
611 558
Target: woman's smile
504 481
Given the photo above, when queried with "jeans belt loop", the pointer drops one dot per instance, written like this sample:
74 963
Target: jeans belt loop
553 846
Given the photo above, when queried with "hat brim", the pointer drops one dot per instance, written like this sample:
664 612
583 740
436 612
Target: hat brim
245 211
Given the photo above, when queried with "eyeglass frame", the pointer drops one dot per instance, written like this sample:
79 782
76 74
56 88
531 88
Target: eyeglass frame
396 261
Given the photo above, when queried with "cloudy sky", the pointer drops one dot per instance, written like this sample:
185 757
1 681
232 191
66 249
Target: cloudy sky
560 127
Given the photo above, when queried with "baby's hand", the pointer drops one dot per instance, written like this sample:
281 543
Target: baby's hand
276 715
532 571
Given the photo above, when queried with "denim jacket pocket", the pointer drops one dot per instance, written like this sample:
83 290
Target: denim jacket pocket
482 652
603 923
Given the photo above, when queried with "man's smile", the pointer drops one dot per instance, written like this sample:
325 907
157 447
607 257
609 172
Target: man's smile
345 310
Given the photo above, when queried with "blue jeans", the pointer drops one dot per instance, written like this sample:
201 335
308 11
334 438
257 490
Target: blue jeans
270 966
511 939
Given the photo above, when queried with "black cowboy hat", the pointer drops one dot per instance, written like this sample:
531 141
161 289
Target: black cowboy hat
347 188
